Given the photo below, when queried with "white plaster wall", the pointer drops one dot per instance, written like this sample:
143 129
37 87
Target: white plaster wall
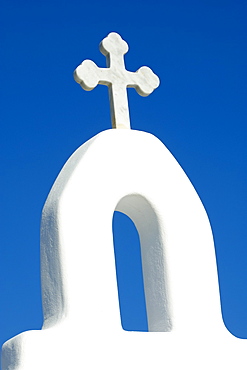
134 173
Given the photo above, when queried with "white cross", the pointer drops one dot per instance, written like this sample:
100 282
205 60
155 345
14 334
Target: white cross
117 78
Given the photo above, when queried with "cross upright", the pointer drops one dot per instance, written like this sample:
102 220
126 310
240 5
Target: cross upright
117 78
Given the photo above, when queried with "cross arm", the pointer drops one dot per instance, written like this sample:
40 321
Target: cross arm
144 81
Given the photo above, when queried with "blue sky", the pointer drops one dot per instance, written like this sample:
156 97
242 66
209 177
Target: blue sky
198 49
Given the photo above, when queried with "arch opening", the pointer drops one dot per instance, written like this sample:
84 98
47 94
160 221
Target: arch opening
152 260
129 274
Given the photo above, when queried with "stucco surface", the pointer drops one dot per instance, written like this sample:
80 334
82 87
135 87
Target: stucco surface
134 173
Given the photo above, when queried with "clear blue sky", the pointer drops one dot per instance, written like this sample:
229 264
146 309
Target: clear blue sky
198 49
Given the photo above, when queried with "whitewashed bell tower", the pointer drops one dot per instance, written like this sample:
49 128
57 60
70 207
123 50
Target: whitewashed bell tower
134 173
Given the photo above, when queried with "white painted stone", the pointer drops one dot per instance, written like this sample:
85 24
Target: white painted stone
117 78
133 172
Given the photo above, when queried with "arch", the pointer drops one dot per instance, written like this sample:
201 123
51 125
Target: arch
133 172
